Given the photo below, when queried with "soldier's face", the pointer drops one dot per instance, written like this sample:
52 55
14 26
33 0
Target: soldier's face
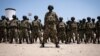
72 19
36 18
89 20
50 10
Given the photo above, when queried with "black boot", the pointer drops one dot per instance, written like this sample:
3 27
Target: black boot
42 45
57 46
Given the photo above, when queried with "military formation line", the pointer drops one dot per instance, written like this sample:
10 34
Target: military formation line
54 30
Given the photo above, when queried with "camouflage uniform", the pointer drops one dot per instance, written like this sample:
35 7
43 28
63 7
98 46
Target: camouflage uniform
98 30
50 24
88 30
93 31
74 27
8 31
61 30
24 30
0 32
82 30
36 28
68 31
13 28
4 29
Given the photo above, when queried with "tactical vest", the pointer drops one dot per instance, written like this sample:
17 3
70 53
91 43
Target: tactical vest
24 24
84 26
74 25
51 19
93 25
35 23
14 23
88 25
4 23
98 25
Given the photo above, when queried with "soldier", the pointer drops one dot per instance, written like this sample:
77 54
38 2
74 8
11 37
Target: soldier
98 30
24 30
68 31
61 28
93 31
50 24
13 27
36 28
41 30
74 27
4 28
0 31
8 31
80 30
88 30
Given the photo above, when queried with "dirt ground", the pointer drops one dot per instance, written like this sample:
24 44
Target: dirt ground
49 50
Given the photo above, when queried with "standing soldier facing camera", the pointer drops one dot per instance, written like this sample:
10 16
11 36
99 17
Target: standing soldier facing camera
88 30
50 27
24 30
74 27
36 28
98 30
68 31
14 25
3 29
61 28
93 31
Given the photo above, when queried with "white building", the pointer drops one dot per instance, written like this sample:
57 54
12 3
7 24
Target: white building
9 12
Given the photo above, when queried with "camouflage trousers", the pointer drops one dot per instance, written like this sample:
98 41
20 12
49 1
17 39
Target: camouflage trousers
35 35
74 35
68 37
61 36
82 35
13 35
89 36
50 33
97 37
24 36
3 35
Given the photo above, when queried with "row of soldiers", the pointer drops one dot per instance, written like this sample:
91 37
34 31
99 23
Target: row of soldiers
19 31
54 30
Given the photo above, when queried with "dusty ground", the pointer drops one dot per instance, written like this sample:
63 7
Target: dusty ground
50 50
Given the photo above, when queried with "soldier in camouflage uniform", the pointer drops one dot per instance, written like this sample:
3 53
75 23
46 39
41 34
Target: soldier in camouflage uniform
98 30
0 31
82 30
93 31
61 29
3 29
88 30
50 24
68 31
74 27
8 31
36 28
24 30
41 29
13 27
